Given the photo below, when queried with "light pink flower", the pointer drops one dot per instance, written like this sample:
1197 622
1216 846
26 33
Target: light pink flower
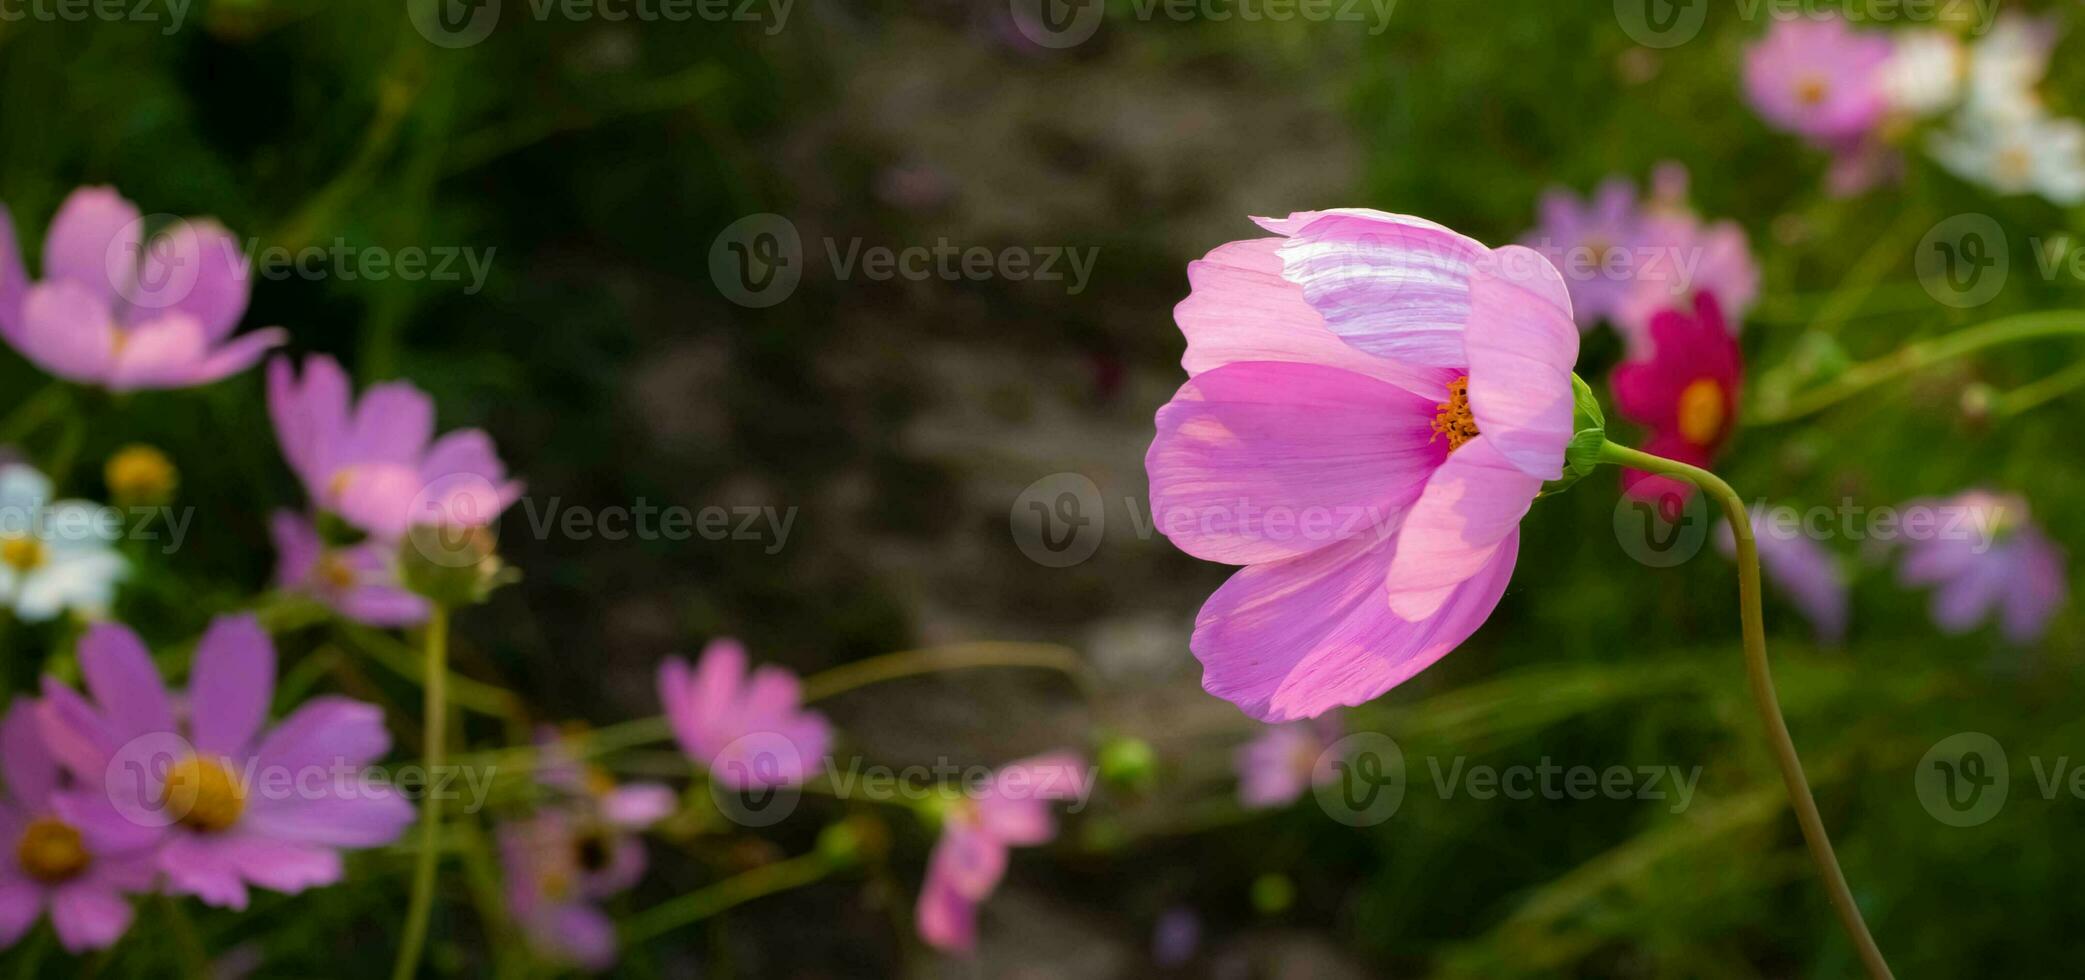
1687 257
116 311
233 803
1283 762
1989 559
1373 403
357 581
1820 79
1010 810
61 849
747 731
376 462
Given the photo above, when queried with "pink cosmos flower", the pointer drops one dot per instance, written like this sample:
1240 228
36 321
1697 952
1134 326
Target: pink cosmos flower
231 802
1994 560
1010 810
1283 762
1373 403
749 732
376 462
1685 390
1592 244
65 851
1819 79
116 311
1684 257
358 581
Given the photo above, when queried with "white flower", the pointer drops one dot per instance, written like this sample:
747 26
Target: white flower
54 556
2007 64
2034 154
1924 75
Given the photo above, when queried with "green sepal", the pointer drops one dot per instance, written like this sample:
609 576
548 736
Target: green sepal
1582 455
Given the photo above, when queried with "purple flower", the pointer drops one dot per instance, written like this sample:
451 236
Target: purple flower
1819 79
1010 810
1175 938
1283 761
1995 560
232 803
747 731
551 893
376 462
1592 244
1802 572
65 850
116 311
358 581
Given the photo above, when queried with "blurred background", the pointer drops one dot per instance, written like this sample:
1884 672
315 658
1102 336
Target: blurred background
595 166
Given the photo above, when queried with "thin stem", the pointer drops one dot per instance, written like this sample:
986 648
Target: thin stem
1762 682
2035 394
436 721
912 663
195 961
730 893
1916 356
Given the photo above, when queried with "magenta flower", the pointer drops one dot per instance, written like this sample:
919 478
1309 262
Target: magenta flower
1819 79
124 314
1373 403
360 582
747 731
1685 390
232 803
1803 572
66 851
1993 559
376 462
1010 810
1284 761
1592 244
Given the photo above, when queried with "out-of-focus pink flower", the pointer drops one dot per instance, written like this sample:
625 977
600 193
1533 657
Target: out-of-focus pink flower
121 313
551 893
358 581
61 849
376 462
1683 258
1010 810
1283 761
1819 79
1373 403
1684 388
1593 244
1988 556
1802 571
748 731
239 804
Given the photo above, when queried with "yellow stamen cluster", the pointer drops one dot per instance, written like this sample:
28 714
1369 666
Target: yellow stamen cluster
140 474
23 553
51 851
1811 91
1701 412
203 794
1454 419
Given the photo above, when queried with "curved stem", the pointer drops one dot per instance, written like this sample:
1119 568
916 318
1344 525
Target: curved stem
436 721
1762 683
911 663
1916 356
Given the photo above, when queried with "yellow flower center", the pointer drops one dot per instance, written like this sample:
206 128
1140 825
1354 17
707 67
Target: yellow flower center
1701 412
2015 165
139 473
1454 419
335 573
1811 90
204 794
50 851
23 553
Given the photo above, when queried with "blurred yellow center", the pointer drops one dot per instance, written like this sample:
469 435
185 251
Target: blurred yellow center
203 794
1454 419
2015 164
1811 91
1701 412
335 573
23 554
139 473
50 851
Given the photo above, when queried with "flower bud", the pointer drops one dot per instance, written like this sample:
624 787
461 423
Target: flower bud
454 565
1128 763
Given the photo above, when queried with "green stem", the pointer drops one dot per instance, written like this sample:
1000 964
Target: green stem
1762 682
730 893
912 663
436 723
195 961
1916 356
2035 394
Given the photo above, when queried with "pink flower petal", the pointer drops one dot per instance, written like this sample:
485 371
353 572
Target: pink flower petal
26 766
946 920
163 352
88 917
1521 349
14 278
203 867
124 681
230 684
196 268
1256 462
1471 507
969 860
68 330
282 866
310 415
324 732
393 423
94 241
21 904
1391 285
